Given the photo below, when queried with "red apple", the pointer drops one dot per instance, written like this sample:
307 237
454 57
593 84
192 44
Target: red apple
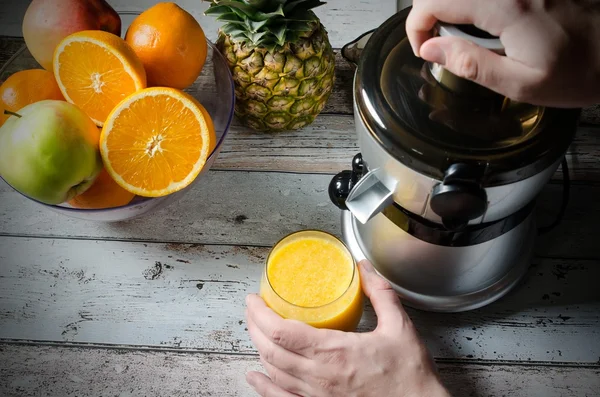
47 22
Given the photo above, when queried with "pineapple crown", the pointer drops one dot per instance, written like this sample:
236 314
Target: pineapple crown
265 23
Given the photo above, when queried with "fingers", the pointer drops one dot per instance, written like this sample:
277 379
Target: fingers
418 28
498 73
385 301
265 387
489 15
276 355
426 13
291 335
286 381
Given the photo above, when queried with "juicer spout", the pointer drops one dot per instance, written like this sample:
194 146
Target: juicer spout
363 194
369 196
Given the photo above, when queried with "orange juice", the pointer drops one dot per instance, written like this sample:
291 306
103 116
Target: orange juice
311 276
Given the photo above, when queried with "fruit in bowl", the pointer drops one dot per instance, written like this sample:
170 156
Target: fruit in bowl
96 70
103 193
154 143
49 151
47 22
156 156
26 87
170 43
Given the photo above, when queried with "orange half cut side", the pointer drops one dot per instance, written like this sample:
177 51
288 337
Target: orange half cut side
96 70
156 141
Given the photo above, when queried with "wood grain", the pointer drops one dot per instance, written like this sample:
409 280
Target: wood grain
192 297
29 371
168 289
257 209
328 145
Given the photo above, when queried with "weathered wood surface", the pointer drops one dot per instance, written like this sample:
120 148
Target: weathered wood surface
328 145
257 209
169 303
192 297
28 371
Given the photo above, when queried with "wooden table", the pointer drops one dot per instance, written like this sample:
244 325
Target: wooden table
155 306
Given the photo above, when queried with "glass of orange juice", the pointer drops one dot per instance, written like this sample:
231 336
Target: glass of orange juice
311 276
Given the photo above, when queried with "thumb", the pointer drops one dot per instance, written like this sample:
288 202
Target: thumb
385 301
472 62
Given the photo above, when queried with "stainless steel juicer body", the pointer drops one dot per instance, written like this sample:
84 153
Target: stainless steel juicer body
442 278
441 196
413 190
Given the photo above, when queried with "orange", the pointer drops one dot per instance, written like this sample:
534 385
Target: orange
170 43
156 141
26 87
96 70
104 193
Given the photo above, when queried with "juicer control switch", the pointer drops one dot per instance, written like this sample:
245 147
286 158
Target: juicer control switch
459 198
341 184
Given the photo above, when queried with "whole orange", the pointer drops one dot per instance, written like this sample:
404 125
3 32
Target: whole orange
26 87
170 43
104 193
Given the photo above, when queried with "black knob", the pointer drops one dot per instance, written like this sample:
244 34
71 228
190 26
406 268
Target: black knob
357 164
340 187
458 203
341 184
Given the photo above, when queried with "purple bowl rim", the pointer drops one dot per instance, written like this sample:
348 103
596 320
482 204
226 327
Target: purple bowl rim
142 199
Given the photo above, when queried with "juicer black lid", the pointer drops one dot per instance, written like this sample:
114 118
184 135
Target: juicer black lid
430 120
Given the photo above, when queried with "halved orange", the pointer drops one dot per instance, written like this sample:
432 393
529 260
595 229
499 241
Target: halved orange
95 70
156 141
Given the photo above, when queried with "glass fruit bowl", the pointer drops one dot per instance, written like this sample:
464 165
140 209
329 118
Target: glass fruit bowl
214 88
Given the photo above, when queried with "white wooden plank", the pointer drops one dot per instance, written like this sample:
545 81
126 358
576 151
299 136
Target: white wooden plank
192 297
336 16
41 371
255 208
328 145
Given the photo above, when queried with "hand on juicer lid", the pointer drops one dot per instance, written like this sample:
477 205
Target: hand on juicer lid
430 119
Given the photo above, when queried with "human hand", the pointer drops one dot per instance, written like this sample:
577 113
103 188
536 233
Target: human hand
552 51
305 361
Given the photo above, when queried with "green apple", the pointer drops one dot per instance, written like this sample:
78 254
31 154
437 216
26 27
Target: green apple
49 151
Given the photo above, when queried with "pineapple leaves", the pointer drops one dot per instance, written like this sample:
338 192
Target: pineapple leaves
237 5
265 5
230 17
299 26
232 30
270 24
255 37
303 16
243 9
215 9
306 5
255 26
280 34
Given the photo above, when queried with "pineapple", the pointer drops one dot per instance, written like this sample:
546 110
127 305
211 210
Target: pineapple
281 60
